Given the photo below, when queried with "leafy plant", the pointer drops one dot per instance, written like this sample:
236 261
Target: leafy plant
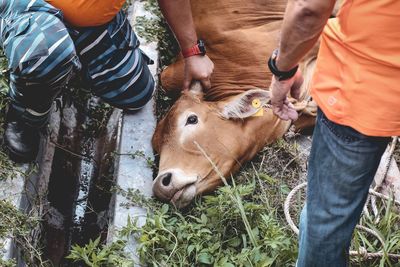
213 232
387 228
7 263
17 225
96 255
141 154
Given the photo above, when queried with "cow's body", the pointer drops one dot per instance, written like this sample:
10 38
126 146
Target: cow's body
240 35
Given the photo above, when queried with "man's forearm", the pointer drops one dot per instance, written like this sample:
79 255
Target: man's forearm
303 23
178 14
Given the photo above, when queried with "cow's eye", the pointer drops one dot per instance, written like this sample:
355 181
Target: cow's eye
192 119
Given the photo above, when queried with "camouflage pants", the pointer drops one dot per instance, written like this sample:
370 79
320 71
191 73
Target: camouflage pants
44 52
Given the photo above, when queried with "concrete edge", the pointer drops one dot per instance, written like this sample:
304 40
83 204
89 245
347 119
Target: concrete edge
134 151
26 191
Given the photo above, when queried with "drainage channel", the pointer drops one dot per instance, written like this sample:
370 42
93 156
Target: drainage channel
72 186
81 179
82 206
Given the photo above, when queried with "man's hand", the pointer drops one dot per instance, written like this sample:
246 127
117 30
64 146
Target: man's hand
198 68
279 91
178 14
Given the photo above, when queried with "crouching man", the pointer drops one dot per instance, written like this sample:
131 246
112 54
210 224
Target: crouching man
49 42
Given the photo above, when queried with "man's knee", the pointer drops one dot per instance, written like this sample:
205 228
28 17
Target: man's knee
115 68
53 69
42 59
40 52
136 96
130 86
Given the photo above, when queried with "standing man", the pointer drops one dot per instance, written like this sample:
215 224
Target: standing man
48 42
356 86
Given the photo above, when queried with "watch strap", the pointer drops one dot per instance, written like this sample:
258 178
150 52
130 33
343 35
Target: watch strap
197 49
281 75
192 51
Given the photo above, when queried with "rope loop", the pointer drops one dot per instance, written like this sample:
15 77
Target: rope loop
361 251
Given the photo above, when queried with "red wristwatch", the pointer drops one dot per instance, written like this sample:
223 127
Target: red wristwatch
198 49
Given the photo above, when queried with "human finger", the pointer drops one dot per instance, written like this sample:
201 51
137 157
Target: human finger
206 83
296 85
186 82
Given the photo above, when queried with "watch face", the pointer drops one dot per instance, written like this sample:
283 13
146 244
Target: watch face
201 46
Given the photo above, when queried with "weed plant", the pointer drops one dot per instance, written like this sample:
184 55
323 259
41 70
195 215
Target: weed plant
94 254
242 223
14 224
7 168
213 231
18 226
387 226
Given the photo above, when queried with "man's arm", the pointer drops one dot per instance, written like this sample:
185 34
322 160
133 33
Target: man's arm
178 14
302 25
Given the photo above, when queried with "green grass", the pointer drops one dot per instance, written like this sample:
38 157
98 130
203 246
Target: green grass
95 254
18 226
213 230
241 224
388 228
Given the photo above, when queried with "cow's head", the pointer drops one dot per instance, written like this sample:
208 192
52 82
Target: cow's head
229 132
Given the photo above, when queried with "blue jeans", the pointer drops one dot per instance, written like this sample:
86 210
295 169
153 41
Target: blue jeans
341 167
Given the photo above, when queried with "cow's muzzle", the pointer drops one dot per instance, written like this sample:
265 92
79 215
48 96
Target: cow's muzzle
175 186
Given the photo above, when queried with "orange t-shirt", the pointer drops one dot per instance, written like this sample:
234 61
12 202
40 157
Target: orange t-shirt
357 77
86 13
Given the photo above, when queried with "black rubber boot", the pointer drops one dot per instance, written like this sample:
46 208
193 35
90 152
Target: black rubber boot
21 137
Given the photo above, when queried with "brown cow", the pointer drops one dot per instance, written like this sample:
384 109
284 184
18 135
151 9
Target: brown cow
231 122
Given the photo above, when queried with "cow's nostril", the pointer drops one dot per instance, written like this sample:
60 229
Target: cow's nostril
166 180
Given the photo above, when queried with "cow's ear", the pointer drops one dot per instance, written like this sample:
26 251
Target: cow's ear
246 104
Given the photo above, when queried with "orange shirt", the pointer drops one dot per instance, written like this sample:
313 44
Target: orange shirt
357 78
85 13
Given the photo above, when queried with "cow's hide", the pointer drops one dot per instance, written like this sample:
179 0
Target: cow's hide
240 36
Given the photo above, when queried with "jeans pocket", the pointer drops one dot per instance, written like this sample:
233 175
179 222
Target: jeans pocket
344 133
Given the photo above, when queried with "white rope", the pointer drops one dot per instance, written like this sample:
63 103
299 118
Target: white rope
379 181
362 251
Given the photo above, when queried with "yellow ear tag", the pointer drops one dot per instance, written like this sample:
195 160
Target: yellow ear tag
256 103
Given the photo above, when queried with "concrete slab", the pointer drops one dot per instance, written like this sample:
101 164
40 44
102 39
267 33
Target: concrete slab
11 190
136 130
30 185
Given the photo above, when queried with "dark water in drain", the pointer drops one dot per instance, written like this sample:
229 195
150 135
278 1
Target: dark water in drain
80 181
